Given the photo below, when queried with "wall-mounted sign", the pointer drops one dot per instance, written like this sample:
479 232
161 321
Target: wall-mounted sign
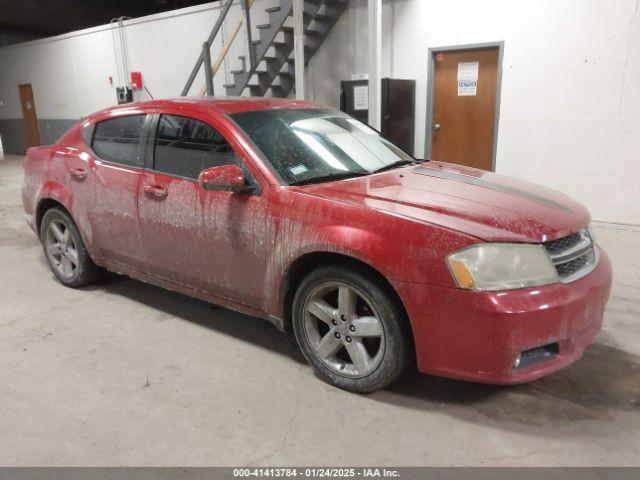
361 97
359 76
468 79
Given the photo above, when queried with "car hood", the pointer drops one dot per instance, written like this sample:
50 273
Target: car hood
482 204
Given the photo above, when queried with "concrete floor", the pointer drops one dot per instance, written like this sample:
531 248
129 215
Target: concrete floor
124 373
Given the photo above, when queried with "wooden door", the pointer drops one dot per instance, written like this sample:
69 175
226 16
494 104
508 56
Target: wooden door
30 116
464 107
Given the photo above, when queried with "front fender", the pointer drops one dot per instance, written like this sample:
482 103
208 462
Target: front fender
369 247
399 252
293 240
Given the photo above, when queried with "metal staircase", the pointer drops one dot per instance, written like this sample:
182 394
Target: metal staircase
270 67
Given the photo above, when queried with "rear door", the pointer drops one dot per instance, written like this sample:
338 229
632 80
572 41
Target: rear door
118 146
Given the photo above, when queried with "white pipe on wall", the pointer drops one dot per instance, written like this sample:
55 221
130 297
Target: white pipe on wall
298 46
375 62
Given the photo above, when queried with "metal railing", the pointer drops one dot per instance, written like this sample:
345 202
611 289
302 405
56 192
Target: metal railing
205 55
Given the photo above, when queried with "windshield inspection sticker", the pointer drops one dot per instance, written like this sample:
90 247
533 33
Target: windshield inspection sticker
298 169
468 79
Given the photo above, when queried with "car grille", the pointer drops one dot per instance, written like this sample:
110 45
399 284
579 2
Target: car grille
573 256
557 246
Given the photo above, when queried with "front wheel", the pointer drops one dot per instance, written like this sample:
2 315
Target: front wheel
350 329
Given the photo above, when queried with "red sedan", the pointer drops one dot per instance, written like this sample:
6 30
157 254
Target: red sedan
304 216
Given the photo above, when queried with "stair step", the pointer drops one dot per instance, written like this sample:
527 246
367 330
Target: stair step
272 77
312 5
322 17
277 91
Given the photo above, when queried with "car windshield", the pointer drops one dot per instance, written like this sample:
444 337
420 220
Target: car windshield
318 145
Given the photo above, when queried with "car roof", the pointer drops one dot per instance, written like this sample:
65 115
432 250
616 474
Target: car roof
219 104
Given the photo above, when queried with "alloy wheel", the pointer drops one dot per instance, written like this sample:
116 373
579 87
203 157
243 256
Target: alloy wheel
343 329
61 249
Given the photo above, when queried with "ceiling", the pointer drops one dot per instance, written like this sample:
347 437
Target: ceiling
23 20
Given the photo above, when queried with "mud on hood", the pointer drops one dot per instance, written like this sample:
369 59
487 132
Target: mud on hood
482 204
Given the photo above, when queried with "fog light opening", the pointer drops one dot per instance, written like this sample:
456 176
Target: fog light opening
516 362
536 355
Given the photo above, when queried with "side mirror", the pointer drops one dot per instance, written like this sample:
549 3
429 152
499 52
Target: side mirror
226 178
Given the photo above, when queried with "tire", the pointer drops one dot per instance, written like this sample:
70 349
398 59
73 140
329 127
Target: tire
65 251
332 328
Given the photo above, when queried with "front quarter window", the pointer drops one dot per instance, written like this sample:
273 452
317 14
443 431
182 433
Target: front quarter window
315 145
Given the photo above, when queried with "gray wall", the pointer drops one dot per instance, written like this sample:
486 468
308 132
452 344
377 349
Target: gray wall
14 133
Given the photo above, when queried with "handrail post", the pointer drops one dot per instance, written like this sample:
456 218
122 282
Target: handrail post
212 36
208 74
247 23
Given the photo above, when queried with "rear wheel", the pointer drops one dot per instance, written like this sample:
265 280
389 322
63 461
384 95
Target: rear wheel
350 329
64 250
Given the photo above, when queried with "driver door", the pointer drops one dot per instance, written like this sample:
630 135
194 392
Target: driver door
204 239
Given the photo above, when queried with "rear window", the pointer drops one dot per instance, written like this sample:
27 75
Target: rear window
118 140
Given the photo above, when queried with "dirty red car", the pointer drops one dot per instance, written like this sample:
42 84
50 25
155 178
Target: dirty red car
302 215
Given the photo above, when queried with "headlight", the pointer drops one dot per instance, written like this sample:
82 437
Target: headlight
501 266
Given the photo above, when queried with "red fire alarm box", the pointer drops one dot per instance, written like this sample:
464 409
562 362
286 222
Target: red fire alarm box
136 80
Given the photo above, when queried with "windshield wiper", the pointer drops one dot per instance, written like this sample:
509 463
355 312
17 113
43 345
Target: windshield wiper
391 166
329 178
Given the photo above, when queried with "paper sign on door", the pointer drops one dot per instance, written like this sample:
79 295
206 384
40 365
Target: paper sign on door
467 79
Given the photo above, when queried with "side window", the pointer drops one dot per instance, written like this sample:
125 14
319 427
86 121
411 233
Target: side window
186 146
118 140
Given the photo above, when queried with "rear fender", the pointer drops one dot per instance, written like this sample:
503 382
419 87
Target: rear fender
52 190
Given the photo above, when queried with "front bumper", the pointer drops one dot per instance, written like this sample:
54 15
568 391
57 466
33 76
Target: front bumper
478 336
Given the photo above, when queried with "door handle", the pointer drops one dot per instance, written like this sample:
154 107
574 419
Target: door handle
155 191
436 127
79 173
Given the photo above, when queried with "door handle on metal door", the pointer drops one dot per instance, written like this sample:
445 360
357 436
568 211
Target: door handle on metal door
79 173
155 191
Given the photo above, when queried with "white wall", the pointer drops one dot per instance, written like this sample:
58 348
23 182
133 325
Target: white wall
69 73
570 103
